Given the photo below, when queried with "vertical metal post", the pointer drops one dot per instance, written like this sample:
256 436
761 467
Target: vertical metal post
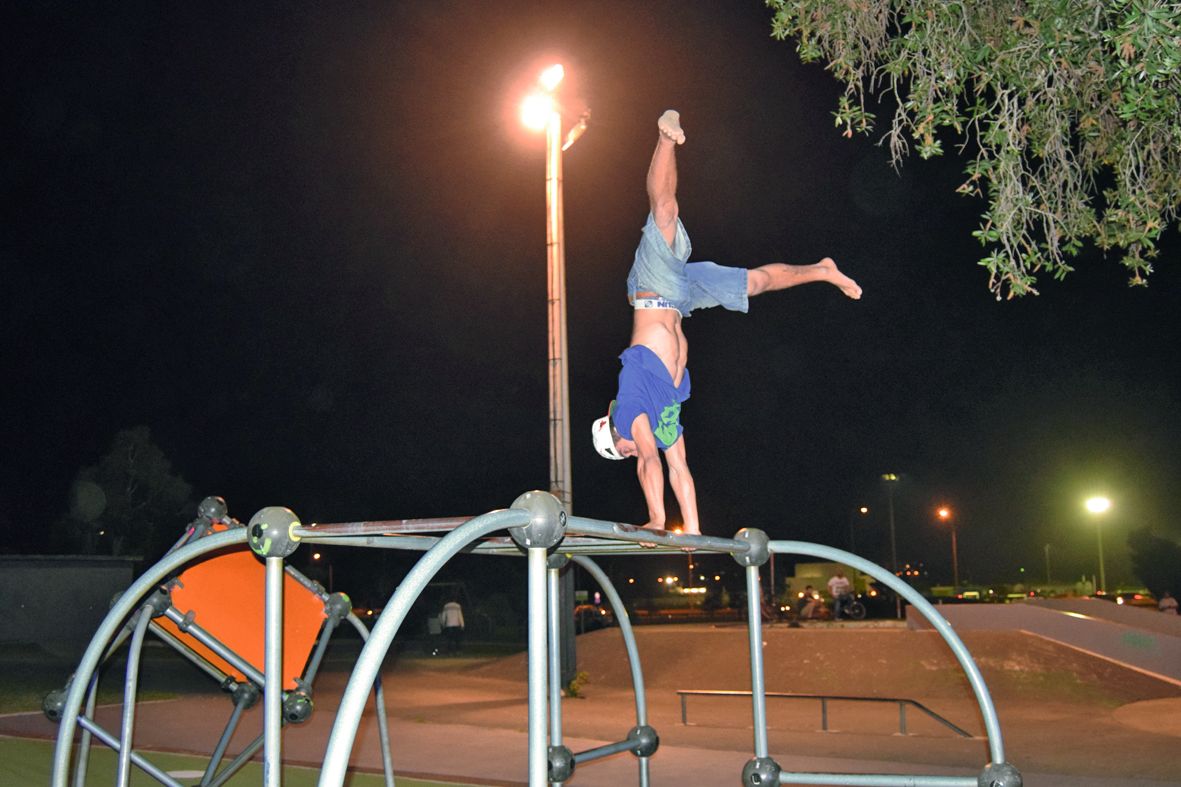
824 714
273 669
757 686
902 718
555 658
538 658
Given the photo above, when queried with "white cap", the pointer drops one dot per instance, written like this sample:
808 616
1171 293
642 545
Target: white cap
604 440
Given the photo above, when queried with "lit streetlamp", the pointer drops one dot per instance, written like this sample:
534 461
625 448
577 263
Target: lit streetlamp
944 514
1098 506
541 110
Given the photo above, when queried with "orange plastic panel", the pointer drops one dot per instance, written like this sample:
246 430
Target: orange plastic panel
227 596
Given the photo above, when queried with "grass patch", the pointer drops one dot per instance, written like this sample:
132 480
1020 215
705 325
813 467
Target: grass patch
29 762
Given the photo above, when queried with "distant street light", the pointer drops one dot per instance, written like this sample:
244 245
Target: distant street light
853 513
1099 505
317 557
945 515
891 480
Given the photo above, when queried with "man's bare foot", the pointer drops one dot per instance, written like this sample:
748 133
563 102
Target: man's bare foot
650 526
670 126
839 280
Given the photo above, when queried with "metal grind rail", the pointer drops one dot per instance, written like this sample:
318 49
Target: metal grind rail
902 702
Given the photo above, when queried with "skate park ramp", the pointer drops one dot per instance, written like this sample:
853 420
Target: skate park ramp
1138 638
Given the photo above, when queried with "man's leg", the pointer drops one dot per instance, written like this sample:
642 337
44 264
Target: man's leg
662 175
780 276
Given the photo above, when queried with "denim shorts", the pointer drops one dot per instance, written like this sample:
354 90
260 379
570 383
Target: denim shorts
687 285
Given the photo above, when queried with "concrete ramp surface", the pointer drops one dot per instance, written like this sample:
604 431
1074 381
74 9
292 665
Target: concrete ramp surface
1139 638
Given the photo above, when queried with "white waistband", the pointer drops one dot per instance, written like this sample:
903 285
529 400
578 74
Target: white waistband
653 303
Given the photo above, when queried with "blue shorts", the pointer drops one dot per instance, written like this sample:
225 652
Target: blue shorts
687 285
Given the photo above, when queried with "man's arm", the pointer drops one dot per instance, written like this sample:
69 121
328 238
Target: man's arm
681 480
649 470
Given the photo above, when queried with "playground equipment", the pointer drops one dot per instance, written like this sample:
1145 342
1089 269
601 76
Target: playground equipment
538 526
212 614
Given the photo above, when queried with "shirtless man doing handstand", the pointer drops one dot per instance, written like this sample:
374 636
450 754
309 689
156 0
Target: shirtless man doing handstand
664 287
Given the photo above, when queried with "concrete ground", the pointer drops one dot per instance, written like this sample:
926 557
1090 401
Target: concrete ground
1066 718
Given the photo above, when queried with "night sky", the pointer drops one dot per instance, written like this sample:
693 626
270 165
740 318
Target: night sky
305 244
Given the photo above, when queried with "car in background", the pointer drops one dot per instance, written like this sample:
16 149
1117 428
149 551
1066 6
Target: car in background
589 617
1135 598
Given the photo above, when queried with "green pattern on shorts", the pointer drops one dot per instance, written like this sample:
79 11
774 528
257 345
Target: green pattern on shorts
666 430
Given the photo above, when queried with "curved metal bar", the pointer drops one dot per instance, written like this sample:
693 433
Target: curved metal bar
629 643
348 716
109 627
84 740
625 629
992 727
130 687
383 722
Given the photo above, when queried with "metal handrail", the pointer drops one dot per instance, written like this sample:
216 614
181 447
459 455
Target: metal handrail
902 702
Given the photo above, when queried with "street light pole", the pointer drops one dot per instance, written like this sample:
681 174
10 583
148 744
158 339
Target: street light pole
863 510
542 111
945 515
559 376
891 480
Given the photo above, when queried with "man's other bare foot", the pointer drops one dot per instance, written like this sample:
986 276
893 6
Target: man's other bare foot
670 126
839 280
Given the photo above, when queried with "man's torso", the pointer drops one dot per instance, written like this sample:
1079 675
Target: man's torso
660 331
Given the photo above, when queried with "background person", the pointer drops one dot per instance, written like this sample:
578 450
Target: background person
1167 603
839 588
452 620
